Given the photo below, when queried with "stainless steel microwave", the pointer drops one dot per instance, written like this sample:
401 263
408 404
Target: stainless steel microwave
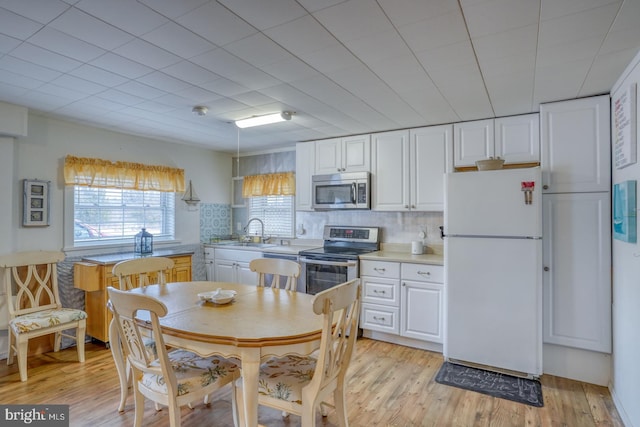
342 191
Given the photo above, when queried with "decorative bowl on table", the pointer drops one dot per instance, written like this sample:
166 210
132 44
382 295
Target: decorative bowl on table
490 164
219 296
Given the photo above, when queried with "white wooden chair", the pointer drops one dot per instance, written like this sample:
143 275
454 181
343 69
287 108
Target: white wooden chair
300 385
276 267
139 272
171 378
134 273
31 281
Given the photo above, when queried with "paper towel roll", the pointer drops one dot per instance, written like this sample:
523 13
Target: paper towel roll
416 247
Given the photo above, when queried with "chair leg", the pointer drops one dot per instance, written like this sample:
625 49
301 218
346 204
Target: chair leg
57 341
80 333
12 344
139 408
122 367
23 348
174 414
340 403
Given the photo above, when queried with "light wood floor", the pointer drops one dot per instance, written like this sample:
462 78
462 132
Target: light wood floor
389 385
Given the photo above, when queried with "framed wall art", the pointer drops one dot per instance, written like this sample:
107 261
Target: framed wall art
624 211
36 203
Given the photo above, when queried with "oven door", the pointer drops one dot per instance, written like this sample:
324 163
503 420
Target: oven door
324 274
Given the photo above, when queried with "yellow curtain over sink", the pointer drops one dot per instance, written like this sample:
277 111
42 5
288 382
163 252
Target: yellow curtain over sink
273 184
90 172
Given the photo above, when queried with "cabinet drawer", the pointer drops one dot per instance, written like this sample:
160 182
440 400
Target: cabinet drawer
380 318
380 290
423 272
380 269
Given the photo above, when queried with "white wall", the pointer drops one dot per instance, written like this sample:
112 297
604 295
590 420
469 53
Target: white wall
626 290
41 155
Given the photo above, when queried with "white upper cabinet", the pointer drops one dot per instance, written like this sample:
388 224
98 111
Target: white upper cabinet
576 145
408 168
305 158
337 155
515 139
472 141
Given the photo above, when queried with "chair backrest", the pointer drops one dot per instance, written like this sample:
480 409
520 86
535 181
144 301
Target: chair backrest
138 272
340 306
125 307
276 267
31 281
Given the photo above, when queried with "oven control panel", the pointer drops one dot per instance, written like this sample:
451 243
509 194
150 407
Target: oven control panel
351 234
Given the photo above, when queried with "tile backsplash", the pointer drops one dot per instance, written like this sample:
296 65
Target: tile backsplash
215 220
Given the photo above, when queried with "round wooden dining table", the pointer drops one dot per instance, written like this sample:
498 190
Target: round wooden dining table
259 322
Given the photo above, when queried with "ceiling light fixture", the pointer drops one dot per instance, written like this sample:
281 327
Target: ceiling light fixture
200 110
264 120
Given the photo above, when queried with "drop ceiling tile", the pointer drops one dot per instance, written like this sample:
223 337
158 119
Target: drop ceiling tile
591 23
10 93
221 62
146 53
19 80
75 83
128 15
559 54
176 101
302 36
508 43
436 32
17 26
42 11
98 75
64 44
173 8
141 90
224 87
469 100
198 95
408 12
178 40
216 23
162 81
447 58
354 19
263 15
45 58
85 27
550 9
121 65
155 107
560 82
61 92
603 72
255 79
497 16
96 102
225 106
120 97
331 59
621 40
28 69
190 72
289 70
8 43
253 98
258 50
41 101
378 46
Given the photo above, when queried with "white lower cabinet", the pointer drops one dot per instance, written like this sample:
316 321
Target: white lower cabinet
232 265
403 299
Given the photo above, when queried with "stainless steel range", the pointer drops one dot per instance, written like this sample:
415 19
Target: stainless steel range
338 260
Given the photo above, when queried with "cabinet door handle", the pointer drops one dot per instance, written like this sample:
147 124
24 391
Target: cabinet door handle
406 206
546 269
379 319
413 206
427 273
380 269
545 187
376 291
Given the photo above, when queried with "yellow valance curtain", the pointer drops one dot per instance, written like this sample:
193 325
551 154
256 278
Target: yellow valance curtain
132 176
273 184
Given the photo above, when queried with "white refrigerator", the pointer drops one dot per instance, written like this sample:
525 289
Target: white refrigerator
493 270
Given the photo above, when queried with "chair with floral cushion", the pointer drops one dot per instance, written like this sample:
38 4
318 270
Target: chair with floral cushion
135 273
31 281
302 384
171 378
277 268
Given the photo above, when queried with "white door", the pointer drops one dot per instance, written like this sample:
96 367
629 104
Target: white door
494 302
225 271
517 138
421 310
356 153
305 168
390 171
328 156
576 145
577 270
492 203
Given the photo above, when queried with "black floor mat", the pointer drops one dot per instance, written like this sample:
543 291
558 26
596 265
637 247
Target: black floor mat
521 390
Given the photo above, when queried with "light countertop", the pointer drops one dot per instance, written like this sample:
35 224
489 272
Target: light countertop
399 252
117 257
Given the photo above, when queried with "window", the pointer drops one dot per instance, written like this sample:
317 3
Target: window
276 212
110 215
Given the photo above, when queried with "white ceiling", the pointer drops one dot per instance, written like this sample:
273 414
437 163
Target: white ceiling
344 67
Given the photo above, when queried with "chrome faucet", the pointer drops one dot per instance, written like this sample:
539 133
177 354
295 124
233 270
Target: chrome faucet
246 227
